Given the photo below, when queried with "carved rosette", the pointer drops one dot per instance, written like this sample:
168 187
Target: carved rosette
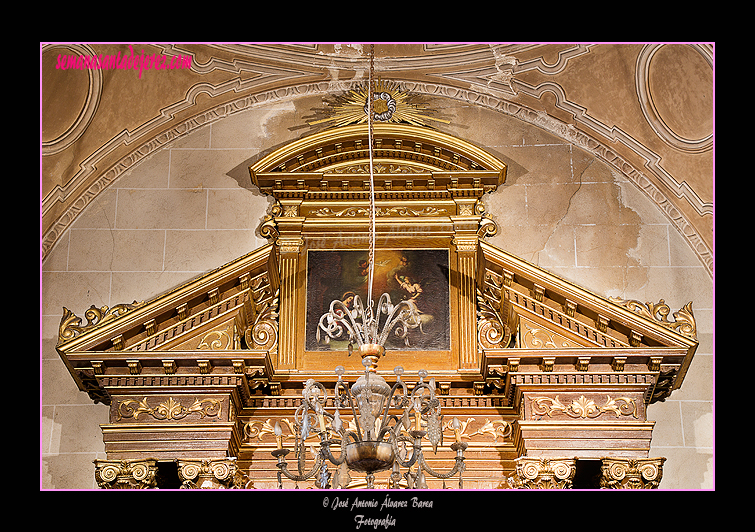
212 474
631 473
125 474
543 473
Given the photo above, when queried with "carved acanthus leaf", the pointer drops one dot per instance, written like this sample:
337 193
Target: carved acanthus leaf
70 324
684 320
583 407
492 330
170 409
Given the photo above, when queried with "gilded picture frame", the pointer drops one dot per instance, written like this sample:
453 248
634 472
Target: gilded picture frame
422 275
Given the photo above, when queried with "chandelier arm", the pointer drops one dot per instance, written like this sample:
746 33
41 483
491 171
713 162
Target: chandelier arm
329 455
416 450
457 467
419 388
283 466
385 428
308 397
395 316
337 323
386 418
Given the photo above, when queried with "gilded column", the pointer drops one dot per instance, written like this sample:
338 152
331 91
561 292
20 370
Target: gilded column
289 227
289 265
467 263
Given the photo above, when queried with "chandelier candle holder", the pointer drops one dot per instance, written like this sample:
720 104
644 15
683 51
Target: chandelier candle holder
386 431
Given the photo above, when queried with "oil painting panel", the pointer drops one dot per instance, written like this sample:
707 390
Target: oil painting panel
421 275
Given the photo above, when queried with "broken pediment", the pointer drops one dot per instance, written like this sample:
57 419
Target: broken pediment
252 312
222 356
544 324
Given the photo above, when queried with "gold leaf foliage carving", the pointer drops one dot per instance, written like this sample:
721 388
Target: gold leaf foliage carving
496 429
263 334
391 211
168 410
583 407
544 339
70 324
349 211
492 330
379 169
217 340
684 320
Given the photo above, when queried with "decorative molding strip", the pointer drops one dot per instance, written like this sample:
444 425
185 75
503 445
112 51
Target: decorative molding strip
256 430
583 407
393 211
650 111
168 410
92 102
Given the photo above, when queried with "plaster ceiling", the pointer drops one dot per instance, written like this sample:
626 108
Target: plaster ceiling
645 109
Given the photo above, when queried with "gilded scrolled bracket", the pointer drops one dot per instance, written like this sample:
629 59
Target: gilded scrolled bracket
684 319
70 324
268 228
496 322
263 333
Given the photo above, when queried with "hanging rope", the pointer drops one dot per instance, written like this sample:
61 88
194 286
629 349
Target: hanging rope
371 262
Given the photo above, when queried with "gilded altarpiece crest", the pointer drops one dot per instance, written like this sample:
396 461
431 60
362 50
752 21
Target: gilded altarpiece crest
540 374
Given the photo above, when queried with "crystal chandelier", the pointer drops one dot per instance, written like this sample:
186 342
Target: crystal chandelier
386 427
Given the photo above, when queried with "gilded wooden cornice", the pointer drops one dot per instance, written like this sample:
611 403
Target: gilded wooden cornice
545 325
221 323
401 151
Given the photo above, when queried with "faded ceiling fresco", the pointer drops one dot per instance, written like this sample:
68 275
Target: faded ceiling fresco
645 109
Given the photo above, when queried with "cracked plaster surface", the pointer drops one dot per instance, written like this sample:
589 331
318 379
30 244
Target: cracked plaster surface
561 209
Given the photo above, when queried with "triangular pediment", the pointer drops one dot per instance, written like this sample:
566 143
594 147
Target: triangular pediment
224 318
538 320
544 301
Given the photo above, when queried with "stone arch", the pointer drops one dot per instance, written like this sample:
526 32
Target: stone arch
533 117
